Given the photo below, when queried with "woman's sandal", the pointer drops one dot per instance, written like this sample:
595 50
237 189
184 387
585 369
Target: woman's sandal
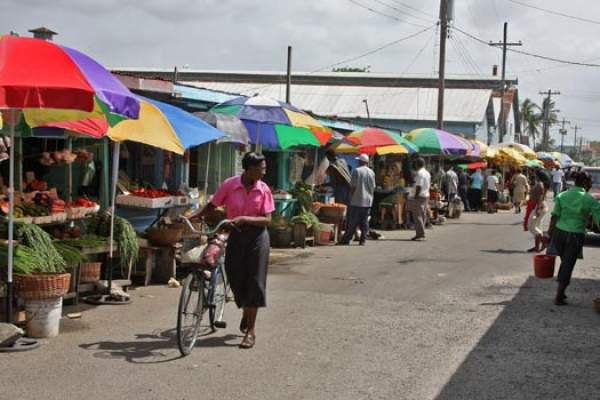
248 342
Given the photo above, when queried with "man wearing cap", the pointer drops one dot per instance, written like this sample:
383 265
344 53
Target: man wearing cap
361 198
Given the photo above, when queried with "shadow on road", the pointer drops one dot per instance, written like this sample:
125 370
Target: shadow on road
504 251
155 348
535 350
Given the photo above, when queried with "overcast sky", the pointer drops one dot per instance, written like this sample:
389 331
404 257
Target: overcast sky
254 35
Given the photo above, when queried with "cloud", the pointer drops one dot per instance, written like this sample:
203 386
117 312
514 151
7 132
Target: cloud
254 35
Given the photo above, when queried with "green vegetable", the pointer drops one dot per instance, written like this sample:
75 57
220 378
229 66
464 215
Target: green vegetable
124 235
307 218
40 242
86 242
304 194
25 259
70 254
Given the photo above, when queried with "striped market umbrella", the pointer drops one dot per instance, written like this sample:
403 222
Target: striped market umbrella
376 141
274 124
435 141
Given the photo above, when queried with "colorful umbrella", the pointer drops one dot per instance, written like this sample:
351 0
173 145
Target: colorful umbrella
545 156
522 149
275 124
479 148
166 127
474 165
564 159
375 140
36 74
535 164
435 141
59 84
234 129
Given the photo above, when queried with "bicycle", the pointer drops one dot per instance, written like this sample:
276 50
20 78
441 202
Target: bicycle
204 288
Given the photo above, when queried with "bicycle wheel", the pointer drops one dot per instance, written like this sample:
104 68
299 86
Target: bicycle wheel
217 296
190 310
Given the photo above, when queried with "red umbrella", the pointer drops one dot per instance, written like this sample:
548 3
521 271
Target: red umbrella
36 74
39 74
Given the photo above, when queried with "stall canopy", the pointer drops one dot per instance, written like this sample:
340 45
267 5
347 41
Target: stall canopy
437 142
376 141
274 124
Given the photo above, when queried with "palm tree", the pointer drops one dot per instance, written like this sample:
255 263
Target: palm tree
548 108
530 119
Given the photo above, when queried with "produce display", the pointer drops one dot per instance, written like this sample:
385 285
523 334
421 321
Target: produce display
25 261
150 193
70 254
85 242
124 235
58 158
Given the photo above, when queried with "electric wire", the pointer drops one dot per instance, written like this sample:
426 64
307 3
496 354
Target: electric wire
414 60
413 8
557 13
382 14
402 12
526 53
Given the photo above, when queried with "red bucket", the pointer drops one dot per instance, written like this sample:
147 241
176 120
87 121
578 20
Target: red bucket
543 266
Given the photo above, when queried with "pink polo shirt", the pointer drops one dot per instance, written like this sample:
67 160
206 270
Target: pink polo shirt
238 202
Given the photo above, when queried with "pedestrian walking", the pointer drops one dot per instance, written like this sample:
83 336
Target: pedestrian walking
361 192
419 198
538 211
570 215
249 204
463 188
493 184
450 183
475 191
520 188
557 181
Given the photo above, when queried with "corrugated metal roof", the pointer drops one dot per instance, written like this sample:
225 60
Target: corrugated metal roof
385 103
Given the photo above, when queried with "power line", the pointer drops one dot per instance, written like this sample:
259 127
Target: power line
402 12
560 14
526 53
348 60
368 53
382 14
419 54
468 55
413 8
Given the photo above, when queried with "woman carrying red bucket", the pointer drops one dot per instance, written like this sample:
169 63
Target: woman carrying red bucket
572 210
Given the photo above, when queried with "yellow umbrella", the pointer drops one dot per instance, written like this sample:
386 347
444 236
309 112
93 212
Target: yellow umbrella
152 128
524 150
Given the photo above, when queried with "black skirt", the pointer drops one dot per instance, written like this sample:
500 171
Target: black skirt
246 264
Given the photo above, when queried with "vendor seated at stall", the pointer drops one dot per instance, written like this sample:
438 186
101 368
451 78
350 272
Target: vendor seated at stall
339 178
394 202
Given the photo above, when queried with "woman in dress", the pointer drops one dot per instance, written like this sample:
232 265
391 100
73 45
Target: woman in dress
537 195
249 204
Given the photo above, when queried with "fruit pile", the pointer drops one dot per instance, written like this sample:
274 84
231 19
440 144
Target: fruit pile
150 193
44 200
81 202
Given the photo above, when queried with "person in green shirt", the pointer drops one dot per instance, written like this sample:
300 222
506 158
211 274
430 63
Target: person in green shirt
571 213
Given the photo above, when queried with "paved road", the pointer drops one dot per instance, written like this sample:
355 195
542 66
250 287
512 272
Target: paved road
456 317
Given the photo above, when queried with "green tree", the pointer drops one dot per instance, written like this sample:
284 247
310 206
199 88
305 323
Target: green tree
531 120
548 108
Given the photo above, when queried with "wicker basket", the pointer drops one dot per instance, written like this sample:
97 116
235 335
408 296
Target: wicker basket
89 272
164 236
42 286
332 212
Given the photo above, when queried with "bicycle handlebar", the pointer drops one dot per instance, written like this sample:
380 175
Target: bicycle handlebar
206 233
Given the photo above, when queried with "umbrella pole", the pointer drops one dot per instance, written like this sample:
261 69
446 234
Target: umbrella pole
206 175
257 145
113 195
70 172
11 209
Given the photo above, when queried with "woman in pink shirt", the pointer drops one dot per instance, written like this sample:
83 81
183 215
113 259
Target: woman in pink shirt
249 204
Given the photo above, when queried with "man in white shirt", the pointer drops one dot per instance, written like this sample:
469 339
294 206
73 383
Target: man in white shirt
451 182
419 198
492 191
557 180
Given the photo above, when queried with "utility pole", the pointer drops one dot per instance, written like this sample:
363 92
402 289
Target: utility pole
442 69
368 112
580 152
504 43
546 126
563 132
288 82
576 128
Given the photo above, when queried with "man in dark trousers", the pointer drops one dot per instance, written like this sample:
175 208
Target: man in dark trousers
361 199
